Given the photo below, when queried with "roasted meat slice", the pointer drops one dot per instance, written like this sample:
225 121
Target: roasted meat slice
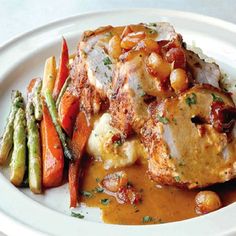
151 85
142 76
203 72
185 147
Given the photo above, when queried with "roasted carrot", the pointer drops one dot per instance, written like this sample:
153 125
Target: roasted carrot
63 70
68 110
81 134
31 85
52 152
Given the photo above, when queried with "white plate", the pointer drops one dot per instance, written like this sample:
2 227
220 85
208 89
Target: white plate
23 58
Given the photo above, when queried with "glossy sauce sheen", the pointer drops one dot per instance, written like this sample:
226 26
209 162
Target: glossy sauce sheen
162 204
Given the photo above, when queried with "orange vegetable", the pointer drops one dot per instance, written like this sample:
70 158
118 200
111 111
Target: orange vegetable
63 70
81 134
67 111
31 85
52 152
50 74
127 30
130 40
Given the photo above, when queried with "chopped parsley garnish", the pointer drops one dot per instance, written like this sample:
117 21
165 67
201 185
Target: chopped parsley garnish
152 31
87 194
142 94
105 201
177 178
97 180
118 143
216 98
147 219
191 100
162 119
107 61
77 215
152 24
99 190
135 208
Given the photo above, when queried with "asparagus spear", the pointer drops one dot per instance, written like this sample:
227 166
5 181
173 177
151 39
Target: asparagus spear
53 112
18 159
63 89
37 100
34 151
7 139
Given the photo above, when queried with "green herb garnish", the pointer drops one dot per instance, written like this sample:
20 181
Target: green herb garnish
147 219
99 190
162 119
142 94
77 215
152 24
135 208
118 143
105 201
87 194
216 98
177 178
152 31
107 61
192 99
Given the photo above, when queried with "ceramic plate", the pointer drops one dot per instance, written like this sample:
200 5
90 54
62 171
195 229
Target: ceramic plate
23 58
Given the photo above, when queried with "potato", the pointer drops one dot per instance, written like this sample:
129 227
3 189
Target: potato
103 146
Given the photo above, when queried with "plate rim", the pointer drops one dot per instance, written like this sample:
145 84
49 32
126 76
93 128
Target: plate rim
64 21
187 14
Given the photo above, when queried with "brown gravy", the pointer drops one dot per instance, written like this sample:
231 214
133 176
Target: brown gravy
159 204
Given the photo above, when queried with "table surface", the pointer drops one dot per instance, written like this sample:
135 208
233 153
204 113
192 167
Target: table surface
17 17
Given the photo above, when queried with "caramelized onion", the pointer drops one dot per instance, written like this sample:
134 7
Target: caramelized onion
222 116
179 80
207 201
132 39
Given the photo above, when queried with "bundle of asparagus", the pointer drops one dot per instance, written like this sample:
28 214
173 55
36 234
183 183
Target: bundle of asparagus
36 133
7 139
21 132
